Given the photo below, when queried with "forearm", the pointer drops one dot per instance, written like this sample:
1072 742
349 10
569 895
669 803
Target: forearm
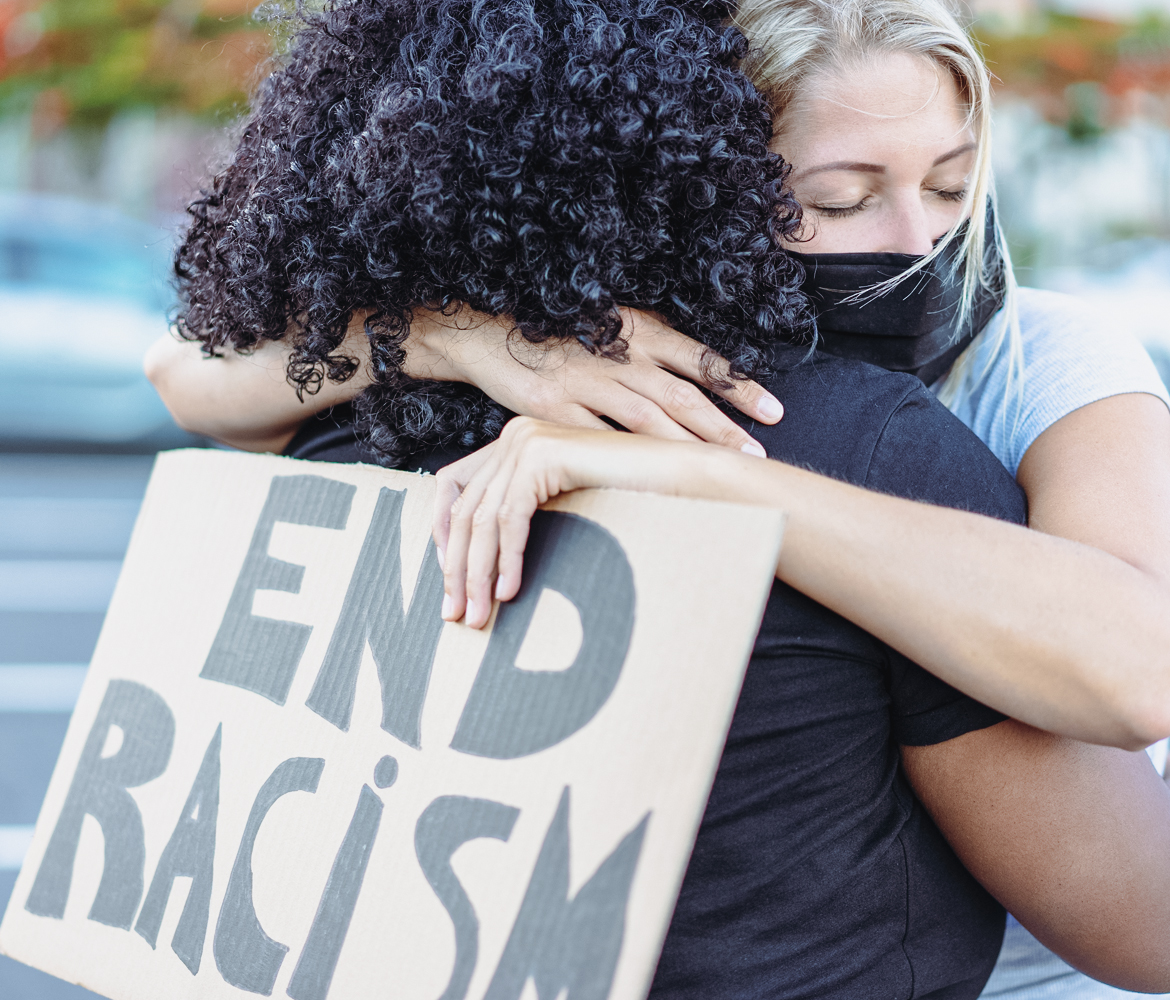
1073 839
1056 633
245 400
1061 635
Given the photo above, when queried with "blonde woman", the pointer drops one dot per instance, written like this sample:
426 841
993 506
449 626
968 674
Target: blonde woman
882 109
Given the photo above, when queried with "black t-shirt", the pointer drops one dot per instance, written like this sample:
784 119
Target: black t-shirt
816 872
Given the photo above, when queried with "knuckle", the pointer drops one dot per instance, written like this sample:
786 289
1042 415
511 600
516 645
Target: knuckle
731 437
688 350
545 398
511 516
481 517
567 416
521 429
637 414
683 396
714 368
460 512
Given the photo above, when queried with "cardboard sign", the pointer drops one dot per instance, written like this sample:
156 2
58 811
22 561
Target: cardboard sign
286 775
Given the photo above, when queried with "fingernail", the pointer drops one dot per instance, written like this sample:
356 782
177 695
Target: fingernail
499 588
752 448
448 604
769 408
469 614
439 556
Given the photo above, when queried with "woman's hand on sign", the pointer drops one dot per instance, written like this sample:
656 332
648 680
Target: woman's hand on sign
565 384
485 502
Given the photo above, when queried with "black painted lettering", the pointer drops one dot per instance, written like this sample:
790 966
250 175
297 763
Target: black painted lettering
314 971
512 712
245 956
569 944
444 826
190 852
402 642
261 654
99 789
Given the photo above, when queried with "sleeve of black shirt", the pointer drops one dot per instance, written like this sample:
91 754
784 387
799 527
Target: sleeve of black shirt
925 453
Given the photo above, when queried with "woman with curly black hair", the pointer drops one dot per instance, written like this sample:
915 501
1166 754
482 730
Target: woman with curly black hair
391 162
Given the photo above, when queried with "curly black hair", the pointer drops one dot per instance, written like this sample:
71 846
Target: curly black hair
546 160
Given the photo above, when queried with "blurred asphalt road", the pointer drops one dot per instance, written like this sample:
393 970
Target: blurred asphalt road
64 524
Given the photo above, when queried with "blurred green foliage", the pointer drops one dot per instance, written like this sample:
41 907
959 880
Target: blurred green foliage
1080 71
79 62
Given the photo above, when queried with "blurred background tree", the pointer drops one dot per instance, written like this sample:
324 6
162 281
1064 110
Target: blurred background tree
1086 73
80 62
123 101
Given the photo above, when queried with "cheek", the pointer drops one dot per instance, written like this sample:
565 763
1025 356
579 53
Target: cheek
945 214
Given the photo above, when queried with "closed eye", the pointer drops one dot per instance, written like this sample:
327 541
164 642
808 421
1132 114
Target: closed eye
843 211
959 195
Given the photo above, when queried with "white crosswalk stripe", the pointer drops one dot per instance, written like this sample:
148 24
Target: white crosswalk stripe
14 841
57 584
49 526
40 687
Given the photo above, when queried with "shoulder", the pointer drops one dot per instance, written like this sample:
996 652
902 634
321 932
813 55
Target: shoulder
885 431
834 412
1054 324
1063 333
1039 305
1058 333
1071 354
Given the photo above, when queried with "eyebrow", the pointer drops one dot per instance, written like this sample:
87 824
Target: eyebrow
874 168
857 168
957 151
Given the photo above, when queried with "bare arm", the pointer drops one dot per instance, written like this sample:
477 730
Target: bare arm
1067 626
1073 839
1054 631
244 399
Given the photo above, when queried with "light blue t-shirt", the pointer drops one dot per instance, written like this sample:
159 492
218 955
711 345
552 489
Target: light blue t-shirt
1072 356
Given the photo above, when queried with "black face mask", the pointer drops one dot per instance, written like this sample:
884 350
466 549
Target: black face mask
915 326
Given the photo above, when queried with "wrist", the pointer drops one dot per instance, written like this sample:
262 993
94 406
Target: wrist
696 470
716 473
455 347
425 358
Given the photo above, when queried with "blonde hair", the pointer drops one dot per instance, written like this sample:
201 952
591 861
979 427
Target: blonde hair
790 40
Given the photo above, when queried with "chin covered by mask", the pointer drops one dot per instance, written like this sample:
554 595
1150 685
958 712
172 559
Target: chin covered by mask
914 327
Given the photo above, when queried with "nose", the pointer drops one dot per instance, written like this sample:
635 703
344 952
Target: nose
907 227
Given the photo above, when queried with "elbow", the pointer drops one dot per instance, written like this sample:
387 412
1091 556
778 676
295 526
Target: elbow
1131 952
158 366
1128 716
1143 721
162 366
160 360
1139 971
